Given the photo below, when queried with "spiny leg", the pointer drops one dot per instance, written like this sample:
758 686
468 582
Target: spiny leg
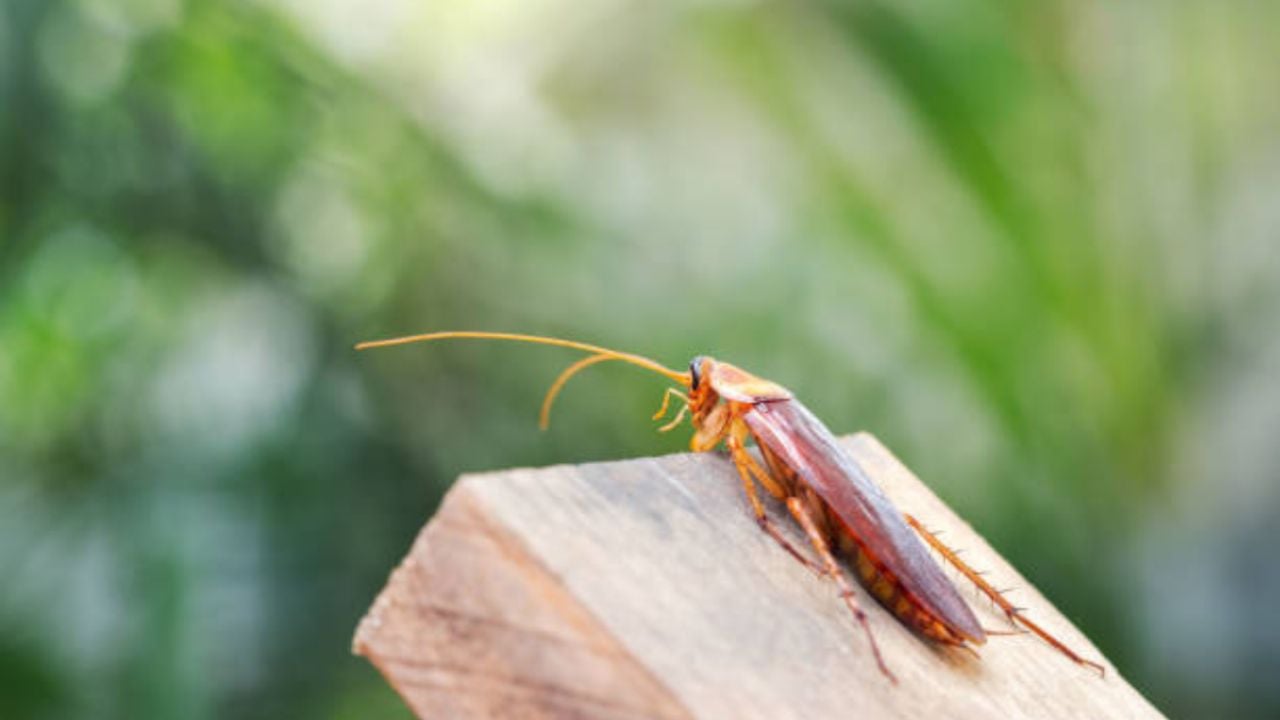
801 515
1015 615
743 461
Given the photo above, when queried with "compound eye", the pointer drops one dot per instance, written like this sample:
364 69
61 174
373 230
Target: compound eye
695 372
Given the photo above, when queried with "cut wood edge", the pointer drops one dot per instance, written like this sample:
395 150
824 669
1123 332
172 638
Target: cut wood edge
548 593
470 625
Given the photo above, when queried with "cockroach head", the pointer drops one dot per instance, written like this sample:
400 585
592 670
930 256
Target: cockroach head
695 371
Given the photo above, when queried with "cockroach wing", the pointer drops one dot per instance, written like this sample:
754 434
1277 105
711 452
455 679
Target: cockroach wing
801 441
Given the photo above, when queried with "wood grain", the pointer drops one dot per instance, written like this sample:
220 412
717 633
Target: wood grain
644 589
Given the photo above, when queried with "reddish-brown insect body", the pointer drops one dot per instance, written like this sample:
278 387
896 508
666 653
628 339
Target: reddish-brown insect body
851 513
841 510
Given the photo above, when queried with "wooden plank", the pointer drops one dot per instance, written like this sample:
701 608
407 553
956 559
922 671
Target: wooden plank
644 589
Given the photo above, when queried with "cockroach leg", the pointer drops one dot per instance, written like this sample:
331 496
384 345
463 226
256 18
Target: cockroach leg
819 543
1015 614
675 421
666 402
736 442
741 460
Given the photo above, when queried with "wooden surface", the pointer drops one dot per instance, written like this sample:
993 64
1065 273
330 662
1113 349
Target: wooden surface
644 589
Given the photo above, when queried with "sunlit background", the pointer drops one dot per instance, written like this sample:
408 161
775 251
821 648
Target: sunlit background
1033 246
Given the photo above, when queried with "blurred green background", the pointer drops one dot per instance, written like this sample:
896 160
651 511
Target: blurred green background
1034 246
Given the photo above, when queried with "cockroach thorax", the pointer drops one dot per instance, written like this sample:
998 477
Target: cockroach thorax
733 383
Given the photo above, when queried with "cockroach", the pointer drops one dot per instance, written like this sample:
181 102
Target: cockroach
839 507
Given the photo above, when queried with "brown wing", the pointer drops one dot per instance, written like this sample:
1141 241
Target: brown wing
806 445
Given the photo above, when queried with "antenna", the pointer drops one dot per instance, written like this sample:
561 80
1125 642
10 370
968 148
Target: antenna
638 360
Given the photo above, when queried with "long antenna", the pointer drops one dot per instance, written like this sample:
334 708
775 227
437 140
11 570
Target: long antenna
640 360
544 415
